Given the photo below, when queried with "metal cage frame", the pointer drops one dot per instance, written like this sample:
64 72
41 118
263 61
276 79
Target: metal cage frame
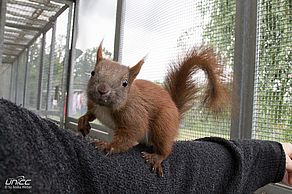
244 64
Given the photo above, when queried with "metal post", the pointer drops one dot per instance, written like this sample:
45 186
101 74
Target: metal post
119 20
11 82
51 67
244 68
25 76
63 107
39 96
2 25
16 78
72 61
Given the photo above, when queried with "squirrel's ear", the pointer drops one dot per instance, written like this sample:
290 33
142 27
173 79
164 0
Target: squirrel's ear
99 53
134 71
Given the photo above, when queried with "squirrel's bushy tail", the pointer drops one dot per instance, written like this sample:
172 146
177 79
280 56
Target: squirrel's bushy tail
184 89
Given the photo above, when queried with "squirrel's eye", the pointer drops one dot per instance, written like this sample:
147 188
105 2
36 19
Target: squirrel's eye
92 73
125 83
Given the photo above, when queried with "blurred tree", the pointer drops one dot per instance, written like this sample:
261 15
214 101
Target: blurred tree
219 31
273 97
274 70
217 18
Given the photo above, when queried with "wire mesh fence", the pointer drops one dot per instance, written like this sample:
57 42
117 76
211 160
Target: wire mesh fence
23 22
5 78
33 74
218 24
164 30
273 79
56 62
37 70
167 29
88 38
21 66
46 67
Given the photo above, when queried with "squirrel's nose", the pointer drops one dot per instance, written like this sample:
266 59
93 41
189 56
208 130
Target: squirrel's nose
103 89
101 92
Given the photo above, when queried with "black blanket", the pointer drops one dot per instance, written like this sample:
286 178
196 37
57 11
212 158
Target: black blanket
38 157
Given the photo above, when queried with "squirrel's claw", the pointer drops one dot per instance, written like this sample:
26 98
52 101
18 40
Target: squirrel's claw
104 146
101 145
155 162
110 151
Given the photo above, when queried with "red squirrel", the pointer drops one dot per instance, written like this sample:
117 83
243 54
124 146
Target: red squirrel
141 111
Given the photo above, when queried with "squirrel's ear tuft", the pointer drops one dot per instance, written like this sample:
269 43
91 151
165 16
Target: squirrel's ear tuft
134 71
99 53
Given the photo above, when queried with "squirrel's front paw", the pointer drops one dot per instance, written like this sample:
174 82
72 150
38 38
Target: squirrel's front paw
83 125
104 146
109 148
101 145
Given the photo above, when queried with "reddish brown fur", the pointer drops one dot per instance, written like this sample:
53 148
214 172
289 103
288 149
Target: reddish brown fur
183 88
152 112
145 113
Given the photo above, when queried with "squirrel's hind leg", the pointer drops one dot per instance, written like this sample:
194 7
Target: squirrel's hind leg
163 132
155 161
122 142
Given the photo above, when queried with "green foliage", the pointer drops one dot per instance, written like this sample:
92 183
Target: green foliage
273 87
274 70
219 22
34 68
219 32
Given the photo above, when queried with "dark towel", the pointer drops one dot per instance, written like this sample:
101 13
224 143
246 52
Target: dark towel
54 160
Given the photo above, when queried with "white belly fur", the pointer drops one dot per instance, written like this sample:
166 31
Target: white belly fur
103 114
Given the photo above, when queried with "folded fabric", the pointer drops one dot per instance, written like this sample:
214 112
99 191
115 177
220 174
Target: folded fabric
48 159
